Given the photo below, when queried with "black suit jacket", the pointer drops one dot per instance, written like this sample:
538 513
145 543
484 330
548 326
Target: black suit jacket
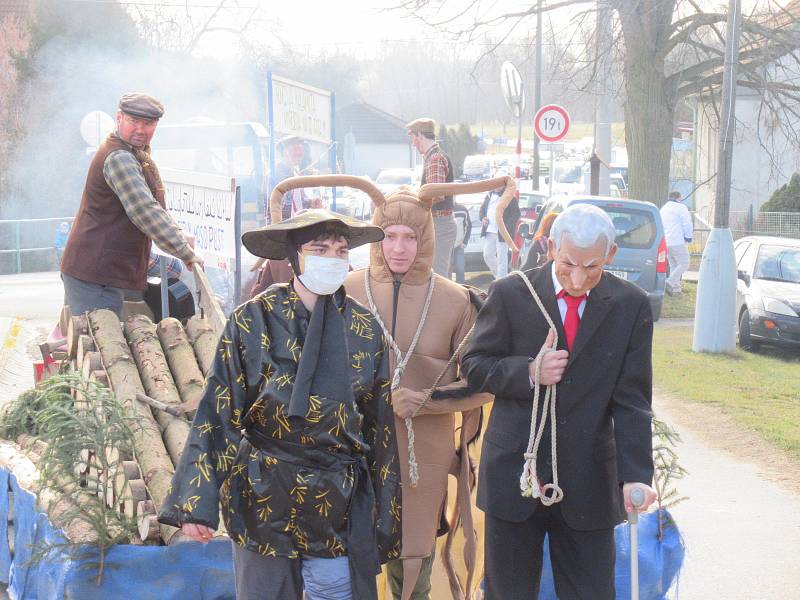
603 400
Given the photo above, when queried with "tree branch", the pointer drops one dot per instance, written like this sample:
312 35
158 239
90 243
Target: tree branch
692 24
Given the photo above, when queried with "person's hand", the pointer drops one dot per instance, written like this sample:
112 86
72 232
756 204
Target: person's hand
554 362
258 264
405 402
199 533
195 260
485 220
649 496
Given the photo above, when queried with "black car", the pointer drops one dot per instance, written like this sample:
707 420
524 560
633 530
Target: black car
768 291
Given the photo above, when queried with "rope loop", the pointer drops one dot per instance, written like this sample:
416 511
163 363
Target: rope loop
529 484
402 361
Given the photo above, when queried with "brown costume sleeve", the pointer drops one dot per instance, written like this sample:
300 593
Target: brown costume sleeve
458 403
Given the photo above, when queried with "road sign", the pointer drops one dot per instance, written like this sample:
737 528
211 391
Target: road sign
513 92
95 126
551 123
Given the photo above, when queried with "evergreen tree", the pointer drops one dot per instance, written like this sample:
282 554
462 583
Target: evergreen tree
786 198
458 143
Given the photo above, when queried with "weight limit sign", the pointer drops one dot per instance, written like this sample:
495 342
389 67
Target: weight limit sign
551 123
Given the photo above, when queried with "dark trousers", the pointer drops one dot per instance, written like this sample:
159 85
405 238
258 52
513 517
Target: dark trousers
583 561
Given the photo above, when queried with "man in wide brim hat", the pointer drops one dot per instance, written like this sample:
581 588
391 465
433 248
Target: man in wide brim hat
279 240
298 402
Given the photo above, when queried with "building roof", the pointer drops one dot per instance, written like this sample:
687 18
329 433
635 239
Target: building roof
370 125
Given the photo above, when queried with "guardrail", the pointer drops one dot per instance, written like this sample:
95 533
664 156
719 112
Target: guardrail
17 249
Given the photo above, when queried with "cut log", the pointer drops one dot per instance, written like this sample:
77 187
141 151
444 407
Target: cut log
77 327
100 377
54 502
85 344
182 362
91 362
148 523
149 448
131 469
63 319
157 380
204 341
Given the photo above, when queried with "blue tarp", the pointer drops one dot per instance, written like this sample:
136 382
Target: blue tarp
659 561
187 570
205 572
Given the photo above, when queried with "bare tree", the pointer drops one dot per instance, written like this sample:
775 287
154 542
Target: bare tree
14 39
180 28
670 49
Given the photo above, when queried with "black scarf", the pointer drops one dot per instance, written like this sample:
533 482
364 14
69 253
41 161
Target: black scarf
324 368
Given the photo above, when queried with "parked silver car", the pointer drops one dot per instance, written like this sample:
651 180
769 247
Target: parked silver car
768 291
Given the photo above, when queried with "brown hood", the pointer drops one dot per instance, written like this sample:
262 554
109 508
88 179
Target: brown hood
404 207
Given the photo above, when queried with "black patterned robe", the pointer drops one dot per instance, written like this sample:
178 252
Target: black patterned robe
293 497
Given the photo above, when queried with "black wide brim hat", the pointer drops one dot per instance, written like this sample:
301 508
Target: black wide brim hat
273 241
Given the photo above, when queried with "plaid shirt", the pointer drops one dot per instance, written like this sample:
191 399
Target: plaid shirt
123 173
435 168
435 165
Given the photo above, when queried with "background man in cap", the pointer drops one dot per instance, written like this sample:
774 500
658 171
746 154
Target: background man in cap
294 435
437 168
121 213
280 271
292 153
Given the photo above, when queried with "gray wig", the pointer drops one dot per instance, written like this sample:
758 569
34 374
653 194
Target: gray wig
585 224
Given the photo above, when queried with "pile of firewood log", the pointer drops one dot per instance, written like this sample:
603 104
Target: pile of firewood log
157 371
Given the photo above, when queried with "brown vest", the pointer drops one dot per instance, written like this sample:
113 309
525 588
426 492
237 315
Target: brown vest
104 246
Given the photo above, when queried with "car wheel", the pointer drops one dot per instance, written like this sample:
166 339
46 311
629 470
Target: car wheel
745 341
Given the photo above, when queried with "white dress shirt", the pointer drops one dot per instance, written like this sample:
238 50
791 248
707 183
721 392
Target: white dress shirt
562 304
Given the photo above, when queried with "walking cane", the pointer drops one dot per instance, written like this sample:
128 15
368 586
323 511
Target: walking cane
637 499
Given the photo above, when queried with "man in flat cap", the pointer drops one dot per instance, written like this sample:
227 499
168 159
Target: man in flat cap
121 213
294 436
292 152
437 168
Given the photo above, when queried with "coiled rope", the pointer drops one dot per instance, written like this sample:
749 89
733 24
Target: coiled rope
402 361
528 481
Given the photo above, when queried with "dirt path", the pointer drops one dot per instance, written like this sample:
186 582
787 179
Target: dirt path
741 523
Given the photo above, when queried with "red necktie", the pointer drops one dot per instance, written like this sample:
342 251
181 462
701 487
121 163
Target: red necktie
572 319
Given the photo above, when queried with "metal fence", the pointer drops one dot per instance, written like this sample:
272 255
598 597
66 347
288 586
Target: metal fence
27 244
748 222
781 224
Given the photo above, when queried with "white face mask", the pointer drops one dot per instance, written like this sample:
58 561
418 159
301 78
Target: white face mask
323 275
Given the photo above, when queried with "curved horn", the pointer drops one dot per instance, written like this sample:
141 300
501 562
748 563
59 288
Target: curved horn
292 183
429 191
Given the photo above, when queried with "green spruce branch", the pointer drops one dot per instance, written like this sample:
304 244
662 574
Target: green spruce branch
83 444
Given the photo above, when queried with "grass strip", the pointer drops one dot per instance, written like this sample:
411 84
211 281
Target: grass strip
760 391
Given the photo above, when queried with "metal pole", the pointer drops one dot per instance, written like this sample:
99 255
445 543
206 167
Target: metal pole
602 141
333 144
552 171
17 245
162 273
537 96
271 128
237 229
715 311
518 170
637 499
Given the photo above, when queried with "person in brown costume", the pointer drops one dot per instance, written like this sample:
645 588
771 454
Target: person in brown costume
425 318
